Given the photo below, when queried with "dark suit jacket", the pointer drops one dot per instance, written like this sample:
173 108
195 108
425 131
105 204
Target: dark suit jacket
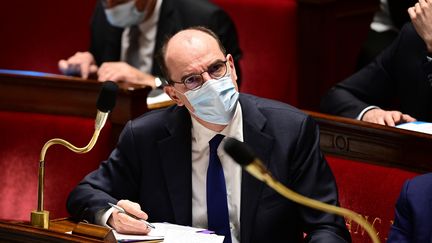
175 15
413 212
400 78
152 166
398 11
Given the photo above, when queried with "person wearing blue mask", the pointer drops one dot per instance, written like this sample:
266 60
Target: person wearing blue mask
126 34
168 165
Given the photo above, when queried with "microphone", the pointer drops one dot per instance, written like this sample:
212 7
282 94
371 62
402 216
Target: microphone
244 156
105 103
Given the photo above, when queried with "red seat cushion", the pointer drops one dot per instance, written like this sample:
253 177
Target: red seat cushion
22 138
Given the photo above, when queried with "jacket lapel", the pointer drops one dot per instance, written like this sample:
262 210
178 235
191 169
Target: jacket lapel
175 151
261 144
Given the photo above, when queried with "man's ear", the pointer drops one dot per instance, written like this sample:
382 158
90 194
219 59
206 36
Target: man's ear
173 94
232 68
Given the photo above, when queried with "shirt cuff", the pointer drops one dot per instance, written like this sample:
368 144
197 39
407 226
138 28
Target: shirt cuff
158 82
360 116
103 219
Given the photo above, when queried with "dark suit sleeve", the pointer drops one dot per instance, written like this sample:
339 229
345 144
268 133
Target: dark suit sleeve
369 86
399 11
401 230
313 178
115 179
372 85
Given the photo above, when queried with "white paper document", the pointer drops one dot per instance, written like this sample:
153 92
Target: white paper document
171 233
175 236
418 126
162 97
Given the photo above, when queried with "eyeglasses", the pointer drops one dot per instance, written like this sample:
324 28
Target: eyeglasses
216 71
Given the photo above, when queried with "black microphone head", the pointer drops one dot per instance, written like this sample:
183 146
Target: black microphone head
107 97
239 151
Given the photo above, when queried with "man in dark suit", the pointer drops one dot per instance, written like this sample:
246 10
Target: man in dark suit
385 26
112 35
162 159
413 212
397 86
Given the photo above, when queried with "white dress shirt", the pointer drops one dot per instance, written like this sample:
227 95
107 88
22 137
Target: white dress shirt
232 171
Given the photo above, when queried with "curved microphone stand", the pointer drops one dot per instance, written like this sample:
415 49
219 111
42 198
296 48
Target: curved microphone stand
105 103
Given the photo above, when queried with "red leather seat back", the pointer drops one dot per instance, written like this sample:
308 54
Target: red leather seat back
370 190
267 32
40 33
22 138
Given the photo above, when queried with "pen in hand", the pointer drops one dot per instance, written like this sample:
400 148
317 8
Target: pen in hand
121 210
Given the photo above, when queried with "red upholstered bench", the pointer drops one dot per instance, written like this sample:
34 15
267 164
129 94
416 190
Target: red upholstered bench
267 32
370 190
22 138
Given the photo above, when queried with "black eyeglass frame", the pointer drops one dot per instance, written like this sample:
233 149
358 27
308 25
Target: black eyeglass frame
202 78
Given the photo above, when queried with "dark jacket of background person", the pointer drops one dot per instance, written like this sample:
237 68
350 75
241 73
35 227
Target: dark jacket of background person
376 42
413 212
400 79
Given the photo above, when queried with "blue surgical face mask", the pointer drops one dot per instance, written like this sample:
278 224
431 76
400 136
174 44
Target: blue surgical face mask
124 15
215 101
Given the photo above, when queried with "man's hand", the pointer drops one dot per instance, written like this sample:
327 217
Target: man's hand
121 71
389 118
81 64
421 17
125 224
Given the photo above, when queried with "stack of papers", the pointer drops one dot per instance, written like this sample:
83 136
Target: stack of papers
418 126
173 233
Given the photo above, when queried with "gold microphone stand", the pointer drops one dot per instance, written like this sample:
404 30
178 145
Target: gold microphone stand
258 170
40 217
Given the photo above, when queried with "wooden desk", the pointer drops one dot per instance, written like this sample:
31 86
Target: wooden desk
374 143
62 95
57 232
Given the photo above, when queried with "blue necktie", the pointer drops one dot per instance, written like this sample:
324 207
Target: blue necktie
217 207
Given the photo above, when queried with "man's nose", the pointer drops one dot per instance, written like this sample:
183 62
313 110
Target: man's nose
206 76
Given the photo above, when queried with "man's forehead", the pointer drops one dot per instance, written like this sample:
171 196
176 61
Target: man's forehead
189 40
189 51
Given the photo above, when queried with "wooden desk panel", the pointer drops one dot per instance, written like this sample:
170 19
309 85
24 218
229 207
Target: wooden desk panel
57 94
58 231
374 143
